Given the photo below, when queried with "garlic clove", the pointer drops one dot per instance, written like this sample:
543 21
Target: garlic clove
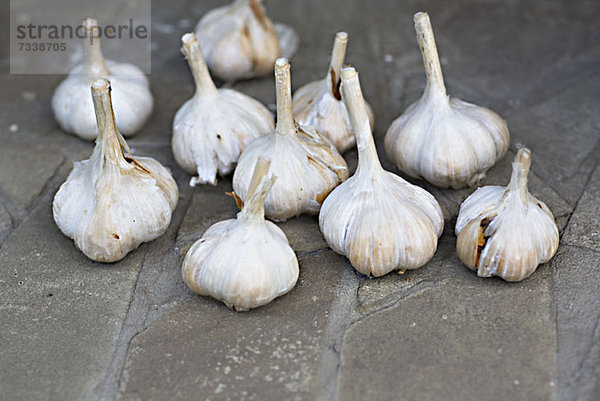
245 262
379 221
319 104
239 41
212 128
506 232
307 165
72 106
112 202
446 141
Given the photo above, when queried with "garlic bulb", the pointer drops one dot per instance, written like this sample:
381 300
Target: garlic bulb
307 165
213 127
112 202
506 232
319 103
72 105
376 219
244 262
239 41
444 140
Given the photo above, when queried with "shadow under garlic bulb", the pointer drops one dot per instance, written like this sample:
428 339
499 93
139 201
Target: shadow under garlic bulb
239 41
72 106
113 202
307 165
446 141
212 128
319 103
506 232
245 262
379 221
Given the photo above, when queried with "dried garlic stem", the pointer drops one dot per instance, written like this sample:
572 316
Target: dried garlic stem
431 59
202 78
108 134
95 63
283 90
258 190
337 61
354 101
518 179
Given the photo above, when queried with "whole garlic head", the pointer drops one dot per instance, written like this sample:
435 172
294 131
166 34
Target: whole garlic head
239 41
307 165
73 107
244 262
112 202
213 127
319 103
376 219
446 141
506 232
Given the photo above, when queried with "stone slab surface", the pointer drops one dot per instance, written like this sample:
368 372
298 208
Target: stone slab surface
133 331
578 323
463 339
5 223
268 353
584 226
25 169
61 313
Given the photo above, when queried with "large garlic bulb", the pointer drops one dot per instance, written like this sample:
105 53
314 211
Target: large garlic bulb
376 219
319 103
506 232
244 262
113 202
307 165
444 140
213 127
239 41
73 107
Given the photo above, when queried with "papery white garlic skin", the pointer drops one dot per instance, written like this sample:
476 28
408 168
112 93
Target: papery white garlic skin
73 108
238 41
212 128
446 141
379 221
506 232
319 103
307 165
112 202
245 262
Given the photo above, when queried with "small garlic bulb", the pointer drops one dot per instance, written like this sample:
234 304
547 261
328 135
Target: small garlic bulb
446 141
72 105
506 232
319 103
112 202
239 41
376 219
245 262
307 165
213 127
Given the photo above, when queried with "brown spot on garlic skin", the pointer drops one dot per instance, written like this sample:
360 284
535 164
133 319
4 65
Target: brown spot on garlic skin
481 238
335 85
137 164
116 236
246 31
238 201
321 197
